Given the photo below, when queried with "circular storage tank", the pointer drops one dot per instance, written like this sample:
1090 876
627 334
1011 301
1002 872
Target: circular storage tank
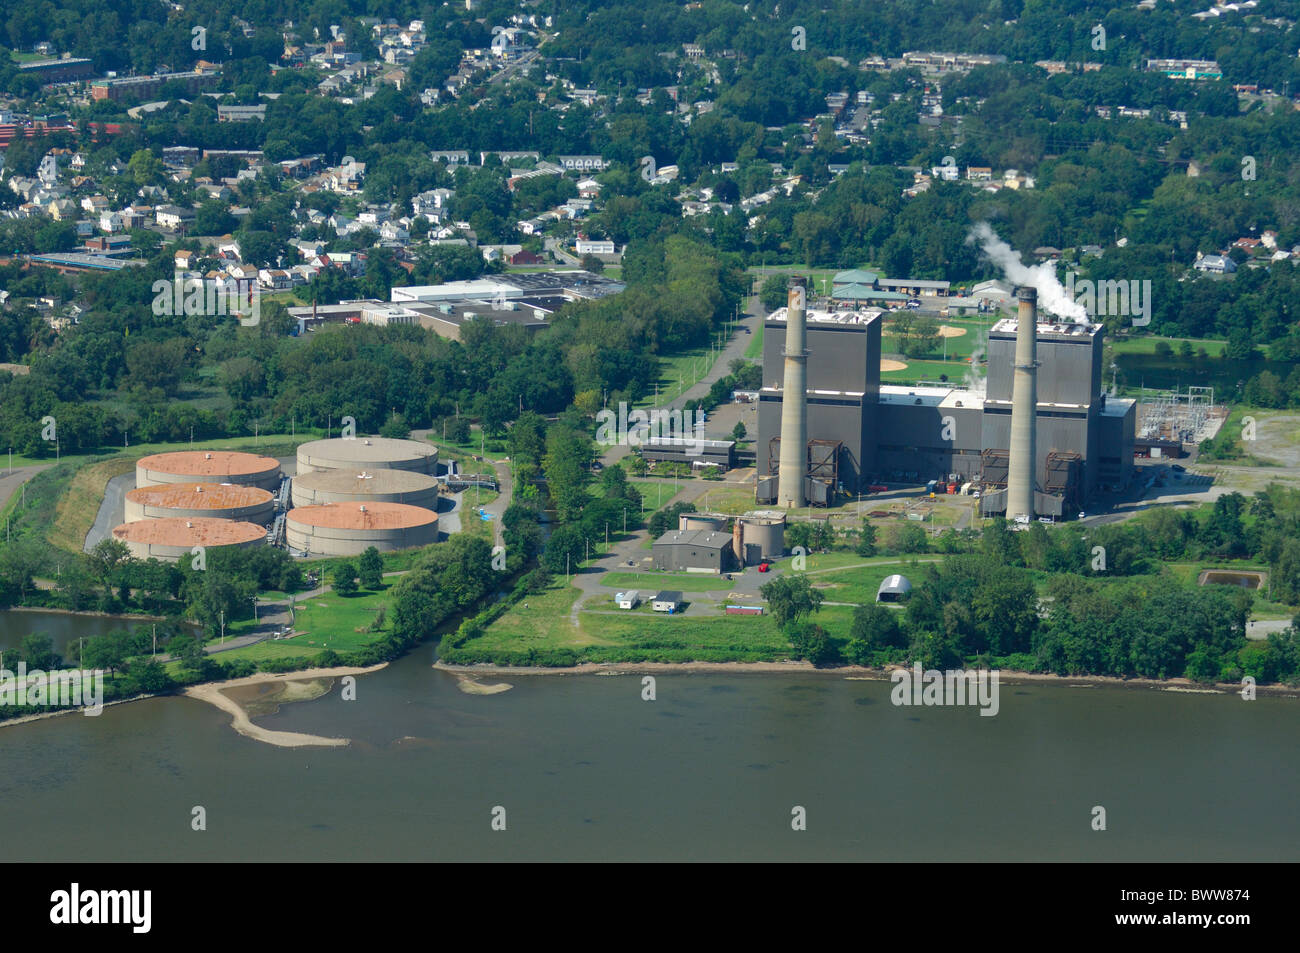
688 521
347 529
767 534
376 485
225 501
173 537
361 453
208 466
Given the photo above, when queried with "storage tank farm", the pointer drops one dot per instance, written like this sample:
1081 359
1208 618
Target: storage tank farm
351 493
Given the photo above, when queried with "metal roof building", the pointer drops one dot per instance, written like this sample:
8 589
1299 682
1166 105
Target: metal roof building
694 550
893 588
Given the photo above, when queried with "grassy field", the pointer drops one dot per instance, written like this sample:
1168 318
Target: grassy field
1146 344
77 510
331 620
858 585
273 444
464 453
656 494
545 621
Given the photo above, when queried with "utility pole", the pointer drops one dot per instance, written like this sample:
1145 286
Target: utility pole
155 638
223 626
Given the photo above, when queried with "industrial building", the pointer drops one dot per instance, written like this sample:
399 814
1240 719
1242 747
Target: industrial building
702 543
172 538
356 453
208 466
694 550
227 501
849 431
717 453
375 485
348 529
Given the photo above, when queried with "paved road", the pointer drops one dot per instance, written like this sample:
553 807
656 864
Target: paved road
112 511
13 480
554 247
734 348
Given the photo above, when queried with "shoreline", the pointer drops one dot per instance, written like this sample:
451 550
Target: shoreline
98 615
855 672
213 694
41 716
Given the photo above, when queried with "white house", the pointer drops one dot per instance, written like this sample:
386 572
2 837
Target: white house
586 246
667 601
628 600
1215 264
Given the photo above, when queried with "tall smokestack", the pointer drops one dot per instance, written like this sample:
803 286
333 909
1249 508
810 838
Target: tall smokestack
794 400
1024 409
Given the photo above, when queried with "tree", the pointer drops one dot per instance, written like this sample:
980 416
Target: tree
811 642
370 568
344 579
105 558
775 292
38 651
866 540
738 432
790 598
877 627
145 167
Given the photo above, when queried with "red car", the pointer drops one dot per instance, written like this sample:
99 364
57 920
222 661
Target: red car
877 488
764 567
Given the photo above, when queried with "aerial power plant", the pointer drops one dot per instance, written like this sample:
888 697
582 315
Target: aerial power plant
1038 436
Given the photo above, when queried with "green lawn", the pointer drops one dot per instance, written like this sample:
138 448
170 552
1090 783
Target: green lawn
656 494
331 620
1146 344
604 633
856 585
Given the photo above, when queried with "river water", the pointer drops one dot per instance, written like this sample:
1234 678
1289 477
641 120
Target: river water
711 770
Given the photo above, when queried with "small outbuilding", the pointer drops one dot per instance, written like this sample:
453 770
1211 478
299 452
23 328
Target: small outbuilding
667 601
893 588
628 600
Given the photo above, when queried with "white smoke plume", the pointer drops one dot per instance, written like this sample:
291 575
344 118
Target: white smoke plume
1052 295
973 382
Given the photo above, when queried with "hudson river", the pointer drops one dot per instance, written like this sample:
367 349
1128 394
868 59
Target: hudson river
711 770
